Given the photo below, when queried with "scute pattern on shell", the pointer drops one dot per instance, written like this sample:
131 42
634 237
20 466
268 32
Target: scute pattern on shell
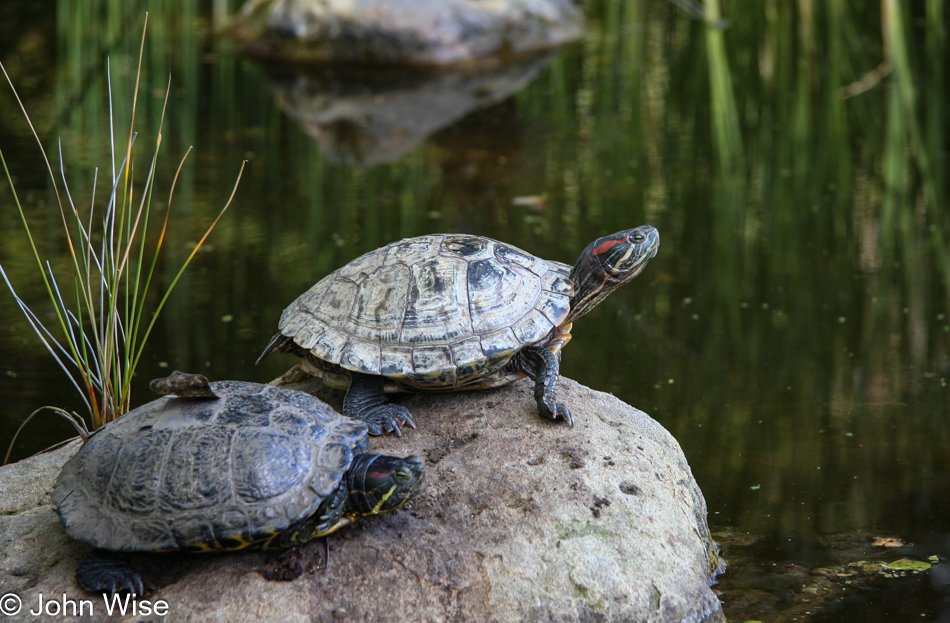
433 311
181 473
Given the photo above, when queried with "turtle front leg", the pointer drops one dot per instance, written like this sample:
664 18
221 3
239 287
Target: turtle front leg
366 401
107 572
542 366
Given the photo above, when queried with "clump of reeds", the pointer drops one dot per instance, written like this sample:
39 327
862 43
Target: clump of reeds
102 320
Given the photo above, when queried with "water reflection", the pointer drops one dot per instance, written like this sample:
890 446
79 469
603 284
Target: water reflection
369 116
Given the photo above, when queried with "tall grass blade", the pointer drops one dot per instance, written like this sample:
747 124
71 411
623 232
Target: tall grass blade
102 340
73 418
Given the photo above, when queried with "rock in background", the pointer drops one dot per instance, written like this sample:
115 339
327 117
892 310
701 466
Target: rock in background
519 519
406 32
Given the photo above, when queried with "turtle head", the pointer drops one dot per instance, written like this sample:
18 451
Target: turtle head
379 483
183 385
608 263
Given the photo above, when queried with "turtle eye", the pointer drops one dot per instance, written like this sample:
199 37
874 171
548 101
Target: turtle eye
638 237
402 475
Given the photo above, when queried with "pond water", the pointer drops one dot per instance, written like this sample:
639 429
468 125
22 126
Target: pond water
793 333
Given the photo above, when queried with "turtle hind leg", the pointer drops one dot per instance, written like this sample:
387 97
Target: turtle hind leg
542 365
101 571
365 401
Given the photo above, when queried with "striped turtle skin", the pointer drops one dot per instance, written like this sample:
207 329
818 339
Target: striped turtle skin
250 466
447 312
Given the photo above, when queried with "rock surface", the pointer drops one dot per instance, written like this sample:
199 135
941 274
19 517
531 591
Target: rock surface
520 519
405 32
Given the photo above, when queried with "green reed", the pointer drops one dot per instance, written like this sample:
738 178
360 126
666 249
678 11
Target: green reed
101 318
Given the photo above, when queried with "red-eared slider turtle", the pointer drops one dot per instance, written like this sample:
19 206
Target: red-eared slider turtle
257 466
447 312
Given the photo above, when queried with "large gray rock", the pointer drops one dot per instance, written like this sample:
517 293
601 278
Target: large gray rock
520 519
413 32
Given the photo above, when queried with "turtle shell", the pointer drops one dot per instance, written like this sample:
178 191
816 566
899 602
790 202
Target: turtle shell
197 474
434 312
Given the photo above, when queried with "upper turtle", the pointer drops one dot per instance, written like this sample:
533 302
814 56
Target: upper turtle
451 311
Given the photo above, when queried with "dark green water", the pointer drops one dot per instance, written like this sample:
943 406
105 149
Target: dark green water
793 333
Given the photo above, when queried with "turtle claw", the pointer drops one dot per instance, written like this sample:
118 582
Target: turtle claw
557 413
387 419
133 585
110 573
564 414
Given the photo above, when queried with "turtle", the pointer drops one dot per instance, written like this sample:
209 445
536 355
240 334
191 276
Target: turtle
220 466
449 312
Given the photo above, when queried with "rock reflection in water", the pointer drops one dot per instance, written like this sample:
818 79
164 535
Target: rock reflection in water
369 116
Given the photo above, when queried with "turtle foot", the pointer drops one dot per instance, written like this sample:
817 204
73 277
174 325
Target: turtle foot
555 411
365 401
388 419
109 572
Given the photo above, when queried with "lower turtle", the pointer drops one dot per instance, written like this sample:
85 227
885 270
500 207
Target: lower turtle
221 466
449 312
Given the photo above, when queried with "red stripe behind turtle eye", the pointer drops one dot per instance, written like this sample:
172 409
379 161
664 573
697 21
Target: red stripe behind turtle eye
603 246
376 475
